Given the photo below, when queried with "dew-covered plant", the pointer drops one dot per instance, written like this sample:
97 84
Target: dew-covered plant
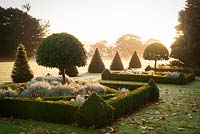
52 86
173 74
78 100
8 93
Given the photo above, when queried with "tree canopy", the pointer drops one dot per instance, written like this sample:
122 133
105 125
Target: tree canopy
186 47
62 51
17 26
128 43
156 51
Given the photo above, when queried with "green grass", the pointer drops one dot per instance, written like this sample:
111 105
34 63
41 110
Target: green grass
177 111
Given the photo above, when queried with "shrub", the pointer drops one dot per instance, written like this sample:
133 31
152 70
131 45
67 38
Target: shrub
94 112
116 63
8 93
155 90
148 68
156 51
21 71
71 71
106 74
135 61
96 65
146 78
132 101
38 110
64 51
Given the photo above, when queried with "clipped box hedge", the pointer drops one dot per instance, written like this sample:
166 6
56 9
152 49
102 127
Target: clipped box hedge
119 103
196 71
36 110
183 79
124 104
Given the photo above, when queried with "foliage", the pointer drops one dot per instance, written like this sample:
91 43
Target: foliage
120 84
78 100
61 51
116 63
145 78
71 71
135 99
28 109
94 112
135 61
105 74
148 68
188 31
8 93
96 65
21 71
106 50
128 43
51 86
156 51
16 27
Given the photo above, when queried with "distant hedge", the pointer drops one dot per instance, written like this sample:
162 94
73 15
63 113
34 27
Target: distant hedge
196 71
145 78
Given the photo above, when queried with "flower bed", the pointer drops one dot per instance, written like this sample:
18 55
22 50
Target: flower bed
180 79
65 111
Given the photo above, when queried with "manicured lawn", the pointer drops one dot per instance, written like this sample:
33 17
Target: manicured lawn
178 111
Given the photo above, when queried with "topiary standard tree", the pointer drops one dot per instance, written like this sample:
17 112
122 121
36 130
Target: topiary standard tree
61 50
116 63
21 71
96 64
156 51
135 61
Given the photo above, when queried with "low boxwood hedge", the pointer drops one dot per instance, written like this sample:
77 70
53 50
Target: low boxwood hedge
57 112
120 84
196 71
36 110
184 79
124 104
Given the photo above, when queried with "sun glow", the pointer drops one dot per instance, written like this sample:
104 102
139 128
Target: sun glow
94 20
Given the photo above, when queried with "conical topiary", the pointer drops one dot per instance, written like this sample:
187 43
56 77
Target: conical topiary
21 71
135 61
116 63
95 112
96 64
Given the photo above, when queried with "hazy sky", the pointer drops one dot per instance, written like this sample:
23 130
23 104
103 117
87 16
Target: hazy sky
94 20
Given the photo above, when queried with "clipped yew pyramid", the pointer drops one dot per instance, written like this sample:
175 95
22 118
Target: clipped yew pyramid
96 65
21 71
94 112
116 63
135 61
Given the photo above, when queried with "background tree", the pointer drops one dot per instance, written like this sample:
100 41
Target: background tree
128 43
61 51
156 51
151 41
16 27
116 63
105 50
21 71
135 61
96 65
186 47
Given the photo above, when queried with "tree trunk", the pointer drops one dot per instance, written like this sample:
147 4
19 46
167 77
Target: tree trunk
63 76
155 65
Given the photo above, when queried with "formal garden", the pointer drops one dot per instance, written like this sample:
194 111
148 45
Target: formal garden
163 98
